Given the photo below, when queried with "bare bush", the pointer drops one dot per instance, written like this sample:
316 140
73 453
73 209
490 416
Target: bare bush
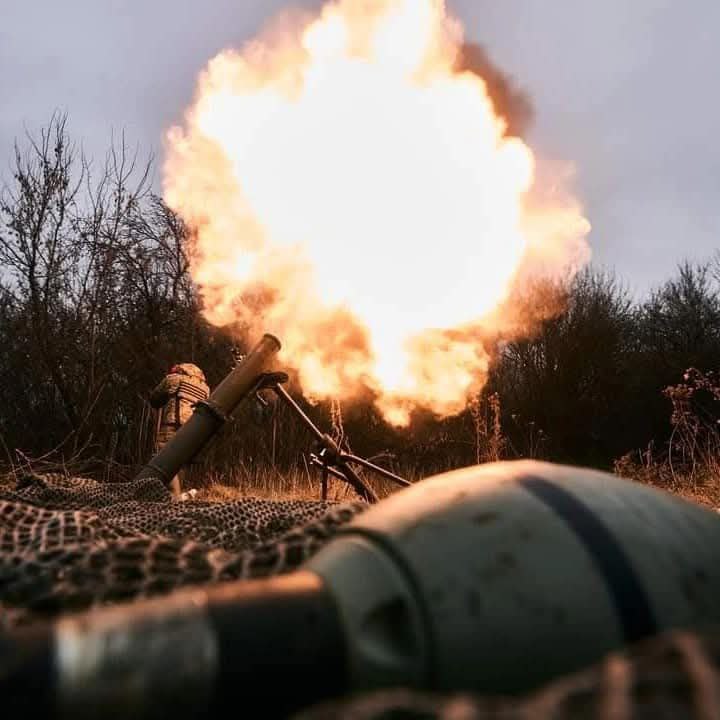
96 299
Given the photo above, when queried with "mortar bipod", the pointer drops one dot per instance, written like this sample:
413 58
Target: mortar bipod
329 457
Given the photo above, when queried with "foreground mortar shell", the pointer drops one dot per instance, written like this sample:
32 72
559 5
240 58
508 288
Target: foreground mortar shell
500 577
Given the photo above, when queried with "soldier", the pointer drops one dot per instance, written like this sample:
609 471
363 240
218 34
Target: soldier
175 396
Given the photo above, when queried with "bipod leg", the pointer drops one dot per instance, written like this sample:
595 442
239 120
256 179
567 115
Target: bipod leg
271 382
324 483
357 484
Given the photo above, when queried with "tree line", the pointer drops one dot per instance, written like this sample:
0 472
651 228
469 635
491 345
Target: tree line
96 303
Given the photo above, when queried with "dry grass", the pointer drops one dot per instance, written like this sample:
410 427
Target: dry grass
702 485
690 464
273 484
266 483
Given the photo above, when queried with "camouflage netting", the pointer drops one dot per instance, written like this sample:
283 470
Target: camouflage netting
68 544
73 543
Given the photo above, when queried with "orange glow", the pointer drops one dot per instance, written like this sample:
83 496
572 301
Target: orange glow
356 196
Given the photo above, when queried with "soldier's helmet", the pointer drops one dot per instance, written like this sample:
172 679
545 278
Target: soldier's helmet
189 369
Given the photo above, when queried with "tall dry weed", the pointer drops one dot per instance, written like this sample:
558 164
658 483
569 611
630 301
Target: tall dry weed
690 462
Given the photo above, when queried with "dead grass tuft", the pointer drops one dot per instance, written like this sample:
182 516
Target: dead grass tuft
690 464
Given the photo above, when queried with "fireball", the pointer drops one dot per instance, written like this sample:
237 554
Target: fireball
353 193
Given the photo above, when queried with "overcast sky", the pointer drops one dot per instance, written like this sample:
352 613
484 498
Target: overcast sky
625 89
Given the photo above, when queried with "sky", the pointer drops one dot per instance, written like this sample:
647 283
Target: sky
625 90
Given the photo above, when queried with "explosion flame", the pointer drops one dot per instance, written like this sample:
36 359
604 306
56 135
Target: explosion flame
355 194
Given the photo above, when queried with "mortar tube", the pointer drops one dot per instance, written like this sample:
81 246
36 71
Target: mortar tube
210 415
